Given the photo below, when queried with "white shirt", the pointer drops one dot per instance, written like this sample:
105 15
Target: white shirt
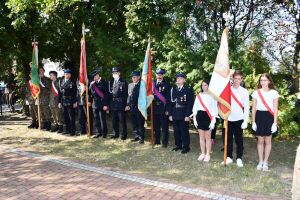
269 97
236 112
209 102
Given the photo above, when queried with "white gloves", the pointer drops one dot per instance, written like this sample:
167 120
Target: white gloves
195 122
274 128
212 124
254 127
244 124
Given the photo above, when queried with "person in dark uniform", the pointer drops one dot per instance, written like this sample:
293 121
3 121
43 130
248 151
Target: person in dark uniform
118 90
68 100
82 111
181 108
161 91
137 118
99 90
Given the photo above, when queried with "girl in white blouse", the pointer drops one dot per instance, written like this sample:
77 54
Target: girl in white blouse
264 118
204 114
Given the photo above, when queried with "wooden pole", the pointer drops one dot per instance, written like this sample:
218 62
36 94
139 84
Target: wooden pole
152 131
88 111
225 140
39 113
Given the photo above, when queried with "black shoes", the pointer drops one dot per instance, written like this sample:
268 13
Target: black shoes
135 139
54 128
60 129
114 137
32 125
185 150
141 141
98 135
176 148
164 145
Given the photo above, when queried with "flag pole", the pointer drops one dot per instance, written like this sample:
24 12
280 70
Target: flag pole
86 91
225 140
39 112
88 111
152 131
151 118
38 97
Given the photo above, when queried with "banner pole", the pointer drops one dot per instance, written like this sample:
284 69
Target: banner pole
88 111
152 131
225 140
39 113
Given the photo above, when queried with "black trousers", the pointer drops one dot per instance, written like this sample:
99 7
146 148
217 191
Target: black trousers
69 116
118 116
138 122
234 129
161 122
82 113
181 134
100 121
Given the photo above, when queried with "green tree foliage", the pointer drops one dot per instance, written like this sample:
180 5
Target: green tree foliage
185 36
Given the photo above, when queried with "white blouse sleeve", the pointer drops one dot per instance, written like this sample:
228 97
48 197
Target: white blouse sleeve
195 107
214 107
246 105
275 94
254 95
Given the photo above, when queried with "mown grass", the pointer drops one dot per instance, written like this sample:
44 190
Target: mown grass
164 163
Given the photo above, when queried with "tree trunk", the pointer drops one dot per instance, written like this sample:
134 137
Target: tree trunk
296 58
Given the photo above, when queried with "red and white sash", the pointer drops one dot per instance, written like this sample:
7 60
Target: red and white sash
237 100
41 83
205 108
29 84
54 90
264 102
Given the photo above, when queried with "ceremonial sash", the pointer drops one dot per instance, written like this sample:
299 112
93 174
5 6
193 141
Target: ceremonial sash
264 102
205 108
41 83
29 85
100 94
158 94
54 90
237 101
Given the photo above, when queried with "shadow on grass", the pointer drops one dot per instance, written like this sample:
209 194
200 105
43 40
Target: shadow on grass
162 163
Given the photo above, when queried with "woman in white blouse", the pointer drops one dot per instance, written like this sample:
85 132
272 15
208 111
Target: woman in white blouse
204 113
264 117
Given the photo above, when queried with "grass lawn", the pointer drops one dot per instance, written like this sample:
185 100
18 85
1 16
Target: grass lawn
163 163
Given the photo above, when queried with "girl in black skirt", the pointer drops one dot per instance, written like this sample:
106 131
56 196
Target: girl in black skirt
264 118
204 113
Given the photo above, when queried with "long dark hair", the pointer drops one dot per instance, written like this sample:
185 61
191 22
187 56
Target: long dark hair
271 83
204 81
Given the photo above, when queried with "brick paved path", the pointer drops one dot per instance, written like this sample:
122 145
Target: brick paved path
31 176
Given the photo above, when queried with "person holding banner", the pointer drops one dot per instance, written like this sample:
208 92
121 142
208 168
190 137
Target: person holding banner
99 90
237 119
137 119
56 112
43 100
82 111
205 111
67 100
264 118
181 108
118 90
29 100
161 91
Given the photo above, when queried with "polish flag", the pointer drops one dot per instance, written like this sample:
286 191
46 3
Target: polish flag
219 85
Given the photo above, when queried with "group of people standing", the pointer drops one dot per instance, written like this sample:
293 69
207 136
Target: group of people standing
59 99
264 118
